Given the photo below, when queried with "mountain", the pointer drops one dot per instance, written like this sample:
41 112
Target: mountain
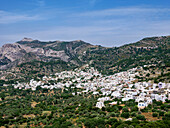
151 50
37 58
26 49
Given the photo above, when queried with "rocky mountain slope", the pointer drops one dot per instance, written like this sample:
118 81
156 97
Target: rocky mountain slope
27 49
30 58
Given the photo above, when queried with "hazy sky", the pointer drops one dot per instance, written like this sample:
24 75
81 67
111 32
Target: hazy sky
102 22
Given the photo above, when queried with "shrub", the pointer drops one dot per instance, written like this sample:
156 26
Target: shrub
133 114
125 114
112 114
154 114
134 109
154 110
111 121
161 113
166 117
135 120
140 117
117 114
123 126
125 110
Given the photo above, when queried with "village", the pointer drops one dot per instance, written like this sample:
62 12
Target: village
122 85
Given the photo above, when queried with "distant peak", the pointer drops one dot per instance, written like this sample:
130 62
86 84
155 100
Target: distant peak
27 39
78 40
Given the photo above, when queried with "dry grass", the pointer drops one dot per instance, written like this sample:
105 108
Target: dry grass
29 116
122 105
149 117
23 125
10 97
46 112
33 104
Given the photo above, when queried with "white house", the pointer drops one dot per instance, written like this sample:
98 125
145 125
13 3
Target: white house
100 104
139 98
116 94
113 103
95 93
127 97
148 100
160 97
142 105
104 99
106 93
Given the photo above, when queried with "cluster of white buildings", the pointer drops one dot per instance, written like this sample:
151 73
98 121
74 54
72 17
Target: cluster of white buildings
120 85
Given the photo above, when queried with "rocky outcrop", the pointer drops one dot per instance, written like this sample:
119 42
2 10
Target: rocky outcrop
27 39
13 54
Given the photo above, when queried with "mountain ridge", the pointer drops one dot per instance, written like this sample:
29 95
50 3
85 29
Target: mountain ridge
56 49
108 60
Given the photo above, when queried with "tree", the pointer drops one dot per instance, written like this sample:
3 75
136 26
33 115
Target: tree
161 113
112 114
111 121
134 109
123 126
125 110
89 123
140 117
133 114
154 114
147 74
125 114
166 117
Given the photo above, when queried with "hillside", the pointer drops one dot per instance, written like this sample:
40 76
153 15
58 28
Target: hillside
154 50
37 58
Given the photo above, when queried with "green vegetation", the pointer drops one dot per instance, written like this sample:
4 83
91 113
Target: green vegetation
60 109
145 52
36 70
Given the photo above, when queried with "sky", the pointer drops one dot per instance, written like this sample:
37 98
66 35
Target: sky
100 22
